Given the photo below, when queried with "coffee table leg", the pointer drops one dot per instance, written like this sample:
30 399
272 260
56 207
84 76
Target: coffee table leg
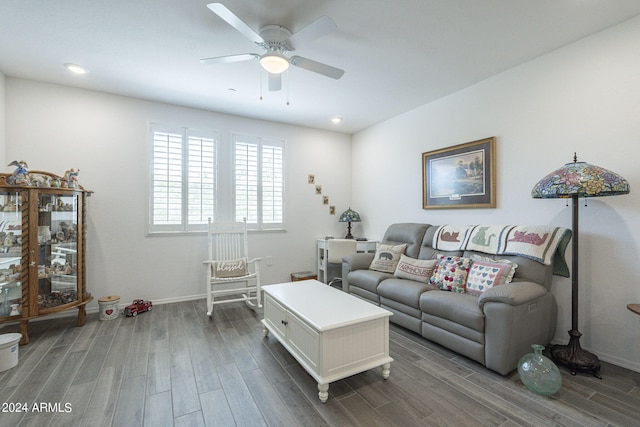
386 370
324 392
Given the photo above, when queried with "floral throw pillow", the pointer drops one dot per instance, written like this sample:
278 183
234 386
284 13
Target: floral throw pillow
450 274
419 270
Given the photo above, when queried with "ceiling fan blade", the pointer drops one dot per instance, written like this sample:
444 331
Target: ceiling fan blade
230 58
317 67
231 19
318 28
275 82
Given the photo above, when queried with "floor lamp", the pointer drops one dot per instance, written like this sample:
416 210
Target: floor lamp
575 180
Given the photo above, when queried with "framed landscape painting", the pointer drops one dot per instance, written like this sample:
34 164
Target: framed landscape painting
461 176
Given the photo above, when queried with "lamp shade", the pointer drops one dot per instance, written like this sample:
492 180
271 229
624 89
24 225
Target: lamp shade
580 179
349 216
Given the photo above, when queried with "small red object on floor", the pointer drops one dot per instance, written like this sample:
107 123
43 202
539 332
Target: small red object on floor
138 306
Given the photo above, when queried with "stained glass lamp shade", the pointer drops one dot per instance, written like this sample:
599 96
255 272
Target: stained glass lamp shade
349 216
575 180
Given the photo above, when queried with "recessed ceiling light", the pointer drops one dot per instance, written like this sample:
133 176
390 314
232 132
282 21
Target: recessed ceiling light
336 120
74 68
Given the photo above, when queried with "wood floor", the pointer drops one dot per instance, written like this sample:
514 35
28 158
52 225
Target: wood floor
175 367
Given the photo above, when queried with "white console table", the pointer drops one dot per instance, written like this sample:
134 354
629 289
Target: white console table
332 334
323 251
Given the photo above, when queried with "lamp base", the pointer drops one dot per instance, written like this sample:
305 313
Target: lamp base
349 235
574 357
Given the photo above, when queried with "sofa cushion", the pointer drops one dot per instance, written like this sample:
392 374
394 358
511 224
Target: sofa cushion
510 262
367 279
404 291
485 274
461 309
409 233
415 269
387 257
450 274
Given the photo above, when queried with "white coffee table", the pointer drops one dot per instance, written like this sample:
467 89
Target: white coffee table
330 333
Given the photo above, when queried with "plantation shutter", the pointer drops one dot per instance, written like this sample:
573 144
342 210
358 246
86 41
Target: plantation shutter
183 179
272 184
259 182
167 178
201 179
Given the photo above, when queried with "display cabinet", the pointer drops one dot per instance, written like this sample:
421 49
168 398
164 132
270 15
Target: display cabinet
42 248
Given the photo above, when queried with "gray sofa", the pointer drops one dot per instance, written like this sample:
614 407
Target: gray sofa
495 328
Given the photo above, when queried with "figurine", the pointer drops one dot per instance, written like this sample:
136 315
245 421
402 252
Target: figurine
70 179
20 175
41 181
10 239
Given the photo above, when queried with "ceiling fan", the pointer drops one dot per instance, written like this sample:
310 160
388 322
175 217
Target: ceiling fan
277 41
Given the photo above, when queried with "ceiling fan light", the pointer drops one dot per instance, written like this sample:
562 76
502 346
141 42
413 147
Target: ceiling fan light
274 63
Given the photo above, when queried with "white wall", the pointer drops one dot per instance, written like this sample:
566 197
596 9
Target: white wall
3 133
584 97
55 128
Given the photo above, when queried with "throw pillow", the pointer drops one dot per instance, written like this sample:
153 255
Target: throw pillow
387 257
228 269
485 275
450 274
512 264
419 270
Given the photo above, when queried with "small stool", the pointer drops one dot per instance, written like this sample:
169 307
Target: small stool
109 307
303 275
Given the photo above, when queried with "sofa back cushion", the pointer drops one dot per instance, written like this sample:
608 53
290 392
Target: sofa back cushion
410 233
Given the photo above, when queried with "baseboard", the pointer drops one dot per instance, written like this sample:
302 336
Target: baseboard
623 363
95 308
605 357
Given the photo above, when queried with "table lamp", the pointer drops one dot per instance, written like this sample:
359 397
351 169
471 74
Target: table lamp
349 216
574 180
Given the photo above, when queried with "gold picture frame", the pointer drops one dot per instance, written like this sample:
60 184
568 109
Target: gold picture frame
461 176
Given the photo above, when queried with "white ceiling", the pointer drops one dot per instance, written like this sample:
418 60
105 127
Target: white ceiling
397 55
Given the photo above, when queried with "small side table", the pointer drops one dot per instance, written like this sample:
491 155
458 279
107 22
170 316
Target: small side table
323 250
303 275
634 307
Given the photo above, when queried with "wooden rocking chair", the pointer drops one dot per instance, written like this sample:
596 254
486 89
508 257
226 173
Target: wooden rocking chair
231 276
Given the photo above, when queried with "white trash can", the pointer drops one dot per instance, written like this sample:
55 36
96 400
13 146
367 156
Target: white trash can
109 307
9 351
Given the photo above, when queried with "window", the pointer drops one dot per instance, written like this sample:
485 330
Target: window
259 182
183 179
191 180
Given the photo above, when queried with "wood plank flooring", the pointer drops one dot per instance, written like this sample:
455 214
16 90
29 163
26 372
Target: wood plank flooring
176 367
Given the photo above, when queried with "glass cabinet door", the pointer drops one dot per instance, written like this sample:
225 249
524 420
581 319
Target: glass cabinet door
10 253
57 250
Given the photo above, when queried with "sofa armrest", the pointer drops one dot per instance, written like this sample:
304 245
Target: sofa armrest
359 261
514 293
